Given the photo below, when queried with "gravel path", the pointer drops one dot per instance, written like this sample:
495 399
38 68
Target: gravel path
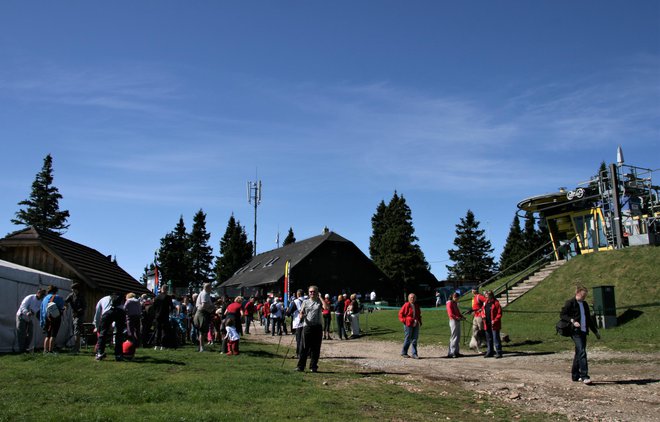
626 385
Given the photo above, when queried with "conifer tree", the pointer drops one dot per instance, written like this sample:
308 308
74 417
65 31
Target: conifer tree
235 251
290 238
173 257
42 209
514 249
393 246
201 254
472 258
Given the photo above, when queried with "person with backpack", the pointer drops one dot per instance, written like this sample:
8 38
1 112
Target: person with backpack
576 311
52 308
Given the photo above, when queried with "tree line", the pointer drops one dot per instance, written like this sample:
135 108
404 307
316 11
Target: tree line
186 259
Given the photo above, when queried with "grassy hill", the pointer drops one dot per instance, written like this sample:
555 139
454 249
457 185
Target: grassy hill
634 273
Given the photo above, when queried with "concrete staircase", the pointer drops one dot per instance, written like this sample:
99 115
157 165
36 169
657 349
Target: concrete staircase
529 283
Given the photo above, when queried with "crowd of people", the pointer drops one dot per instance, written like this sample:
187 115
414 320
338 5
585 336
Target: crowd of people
165 321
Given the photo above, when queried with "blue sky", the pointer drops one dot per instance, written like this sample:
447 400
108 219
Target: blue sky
157 109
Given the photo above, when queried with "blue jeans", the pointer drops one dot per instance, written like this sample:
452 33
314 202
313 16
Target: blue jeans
494 343
410 339
580 367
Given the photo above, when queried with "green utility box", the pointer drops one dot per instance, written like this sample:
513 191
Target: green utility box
604 306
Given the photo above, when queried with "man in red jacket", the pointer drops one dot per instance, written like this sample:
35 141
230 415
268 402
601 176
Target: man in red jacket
492 319
411 317
455 318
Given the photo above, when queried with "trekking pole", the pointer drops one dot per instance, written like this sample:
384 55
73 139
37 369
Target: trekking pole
288 348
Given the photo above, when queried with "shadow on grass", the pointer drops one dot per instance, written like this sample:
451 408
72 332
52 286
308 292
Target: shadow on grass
378 332
513 354
629 382
524 343
157 361
628 315
380 373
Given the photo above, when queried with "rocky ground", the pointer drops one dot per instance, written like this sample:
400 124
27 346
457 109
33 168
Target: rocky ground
626 385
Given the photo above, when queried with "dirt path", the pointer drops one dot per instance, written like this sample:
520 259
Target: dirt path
626 385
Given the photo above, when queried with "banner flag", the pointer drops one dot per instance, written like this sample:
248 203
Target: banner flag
287 268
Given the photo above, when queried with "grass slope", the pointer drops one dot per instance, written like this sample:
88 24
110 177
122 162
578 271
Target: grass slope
530 321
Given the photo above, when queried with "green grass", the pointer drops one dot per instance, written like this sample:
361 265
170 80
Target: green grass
185 385
531 319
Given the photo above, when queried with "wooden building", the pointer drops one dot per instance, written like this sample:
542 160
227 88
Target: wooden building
45 251
329 261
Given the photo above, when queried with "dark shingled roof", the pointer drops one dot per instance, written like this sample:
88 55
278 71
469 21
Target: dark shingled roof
95 269
268 267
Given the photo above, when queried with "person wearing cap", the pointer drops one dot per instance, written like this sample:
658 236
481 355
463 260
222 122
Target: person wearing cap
76 302
29 307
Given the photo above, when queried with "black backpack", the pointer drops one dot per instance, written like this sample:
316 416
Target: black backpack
564 328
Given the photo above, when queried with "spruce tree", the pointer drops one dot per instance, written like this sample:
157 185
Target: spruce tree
393 246
235 251
472 258
42 209
514 249
201 254
290 238
173 257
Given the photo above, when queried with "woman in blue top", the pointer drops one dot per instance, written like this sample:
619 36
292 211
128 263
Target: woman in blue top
50 319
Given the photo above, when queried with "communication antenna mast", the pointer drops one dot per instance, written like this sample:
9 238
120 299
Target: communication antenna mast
254 197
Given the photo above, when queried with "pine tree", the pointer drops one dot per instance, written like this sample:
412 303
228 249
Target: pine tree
43 209
173 257
290 238
235 251
514 249
393 246
201 254
472 258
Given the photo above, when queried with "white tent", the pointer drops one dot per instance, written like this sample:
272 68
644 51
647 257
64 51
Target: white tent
16 282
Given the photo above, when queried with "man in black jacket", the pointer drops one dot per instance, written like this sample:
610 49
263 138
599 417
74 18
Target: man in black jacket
576 311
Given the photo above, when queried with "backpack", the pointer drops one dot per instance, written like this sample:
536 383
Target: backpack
52 311
564 329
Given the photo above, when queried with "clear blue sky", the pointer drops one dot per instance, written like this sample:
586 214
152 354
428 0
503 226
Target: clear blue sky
155 109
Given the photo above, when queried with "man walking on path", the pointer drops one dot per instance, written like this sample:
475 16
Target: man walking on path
411 317
311 317
576 311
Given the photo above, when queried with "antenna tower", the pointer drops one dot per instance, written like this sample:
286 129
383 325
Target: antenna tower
254 197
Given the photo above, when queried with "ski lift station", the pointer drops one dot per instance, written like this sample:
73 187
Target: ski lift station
616 208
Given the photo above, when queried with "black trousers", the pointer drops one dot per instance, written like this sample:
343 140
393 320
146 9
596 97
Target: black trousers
312 337
118 316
